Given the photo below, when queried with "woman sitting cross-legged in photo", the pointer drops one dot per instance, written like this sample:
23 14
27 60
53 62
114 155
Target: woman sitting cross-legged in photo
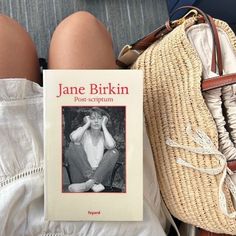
88 161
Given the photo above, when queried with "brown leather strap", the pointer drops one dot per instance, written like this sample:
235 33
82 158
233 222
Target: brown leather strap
216 49
218 81
208 84
144 43
207 233
232 165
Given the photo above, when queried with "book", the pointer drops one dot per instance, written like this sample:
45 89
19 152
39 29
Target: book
93 132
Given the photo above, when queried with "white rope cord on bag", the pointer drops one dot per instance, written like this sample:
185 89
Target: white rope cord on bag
207 147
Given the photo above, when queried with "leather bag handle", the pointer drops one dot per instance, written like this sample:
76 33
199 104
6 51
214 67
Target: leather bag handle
143 43
216 48
131 52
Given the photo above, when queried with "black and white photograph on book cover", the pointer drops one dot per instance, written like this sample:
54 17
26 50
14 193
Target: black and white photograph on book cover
93 149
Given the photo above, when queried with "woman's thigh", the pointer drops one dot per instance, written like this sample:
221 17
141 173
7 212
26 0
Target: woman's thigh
81 42
18 57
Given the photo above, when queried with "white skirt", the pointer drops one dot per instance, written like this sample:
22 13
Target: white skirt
21 174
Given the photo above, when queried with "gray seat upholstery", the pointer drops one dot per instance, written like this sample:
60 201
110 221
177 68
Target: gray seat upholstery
127 20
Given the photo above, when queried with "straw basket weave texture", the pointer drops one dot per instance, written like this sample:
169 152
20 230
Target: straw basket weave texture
173 102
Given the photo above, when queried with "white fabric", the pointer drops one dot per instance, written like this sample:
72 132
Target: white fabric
201 38
94 152
21 174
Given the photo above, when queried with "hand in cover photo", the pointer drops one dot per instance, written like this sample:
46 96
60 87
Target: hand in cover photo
93 155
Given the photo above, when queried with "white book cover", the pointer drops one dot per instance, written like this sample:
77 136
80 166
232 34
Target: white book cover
93 130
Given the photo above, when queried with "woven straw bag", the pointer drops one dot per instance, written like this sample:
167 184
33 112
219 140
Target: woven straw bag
194 175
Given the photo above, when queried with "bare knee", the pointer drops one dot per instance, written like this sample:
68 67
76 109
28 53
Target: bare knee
81 21
7 27
75 38
114 153
18 57
12 31
79 18
6 20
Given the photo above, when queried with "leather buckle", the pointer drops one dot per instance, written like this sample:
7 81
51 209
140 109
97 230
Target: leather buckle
128 55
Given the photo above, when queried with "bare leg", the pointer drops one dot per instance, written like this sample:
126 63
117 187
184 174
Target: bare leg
81 42
18 57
